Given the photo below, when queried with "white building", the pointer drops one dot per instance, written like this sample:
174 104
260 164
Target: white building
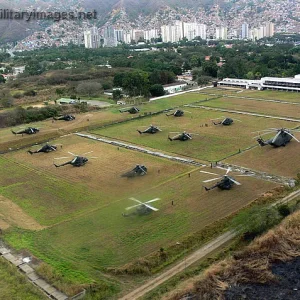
150 34
221 33
174 87
91 38
172 33
273 83
119 33
245 31
110 38
192 30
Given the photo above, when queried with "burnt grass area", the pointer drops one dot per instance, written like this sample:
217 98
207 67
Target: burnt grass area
287 286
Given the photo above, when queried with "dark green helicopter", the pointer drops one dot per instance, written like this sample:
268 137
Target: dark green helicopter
226 121
226 182
46 149
28 130
138 170
178 113
65 118
283 137
77 161
152 129
131 110
184 136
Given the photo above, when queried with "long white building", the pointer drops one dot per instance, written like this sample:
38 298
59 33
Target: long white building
273 83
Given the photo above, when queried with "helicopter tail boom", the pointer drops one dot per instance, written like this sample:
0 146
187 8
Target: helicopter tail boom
261 142
139 131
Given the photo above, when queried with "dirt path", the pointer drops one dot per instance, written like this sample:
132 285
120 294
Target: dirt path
189 260
12 214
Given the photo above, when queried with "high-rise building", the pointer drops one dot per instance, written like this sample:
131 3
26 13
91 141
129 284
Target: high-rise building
119 33
110 39
138 35
245 31
172 33
91 38
269 29
150 34
221 33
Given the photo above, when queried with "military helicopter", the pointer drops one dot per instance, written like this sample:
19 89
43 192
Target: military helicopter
178 113
28 130
65 118
152 129
226 121
226 182
131 110
184 136
46 149
138 170
77 161
143 208
282 137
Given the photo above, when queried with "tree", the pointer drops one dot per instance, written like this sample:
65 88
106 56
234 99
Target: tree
2 80
210 69
117 94
6 99
89 88
157 90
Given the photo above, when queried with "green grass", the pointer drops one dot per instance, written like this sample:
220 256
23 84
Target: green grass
269 108
266 94
213 142
14 286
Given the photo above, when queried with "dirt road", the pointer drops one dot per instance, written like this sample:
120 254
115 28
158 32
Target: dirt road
189 260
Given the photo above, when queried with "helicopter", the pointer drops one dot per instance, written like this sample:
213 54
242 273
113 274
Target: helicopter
143 208
138 170
65 118
152 129
77 161
131 110
184 136
177 113
46 149
226 182
282 137
226 121
28 130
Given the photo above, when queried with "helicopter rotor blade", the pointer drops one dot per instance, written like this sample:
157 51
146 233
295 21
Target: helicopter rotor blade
130 207
209 173
87 152
292 136
72 153
187 112
133 199
61 157
151 207
209 180
92 157
228 170
237 120
234 181
276 136
156 199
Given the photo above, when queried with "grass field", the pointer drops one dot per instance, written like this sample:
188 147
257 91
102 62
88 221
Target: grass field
282 161
14 286
50 129
63 188
71 218
266 94
269 108
83 207
213 142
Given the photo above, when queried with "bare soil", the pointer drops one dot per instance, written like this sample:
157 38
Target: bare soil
286 287
12 214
